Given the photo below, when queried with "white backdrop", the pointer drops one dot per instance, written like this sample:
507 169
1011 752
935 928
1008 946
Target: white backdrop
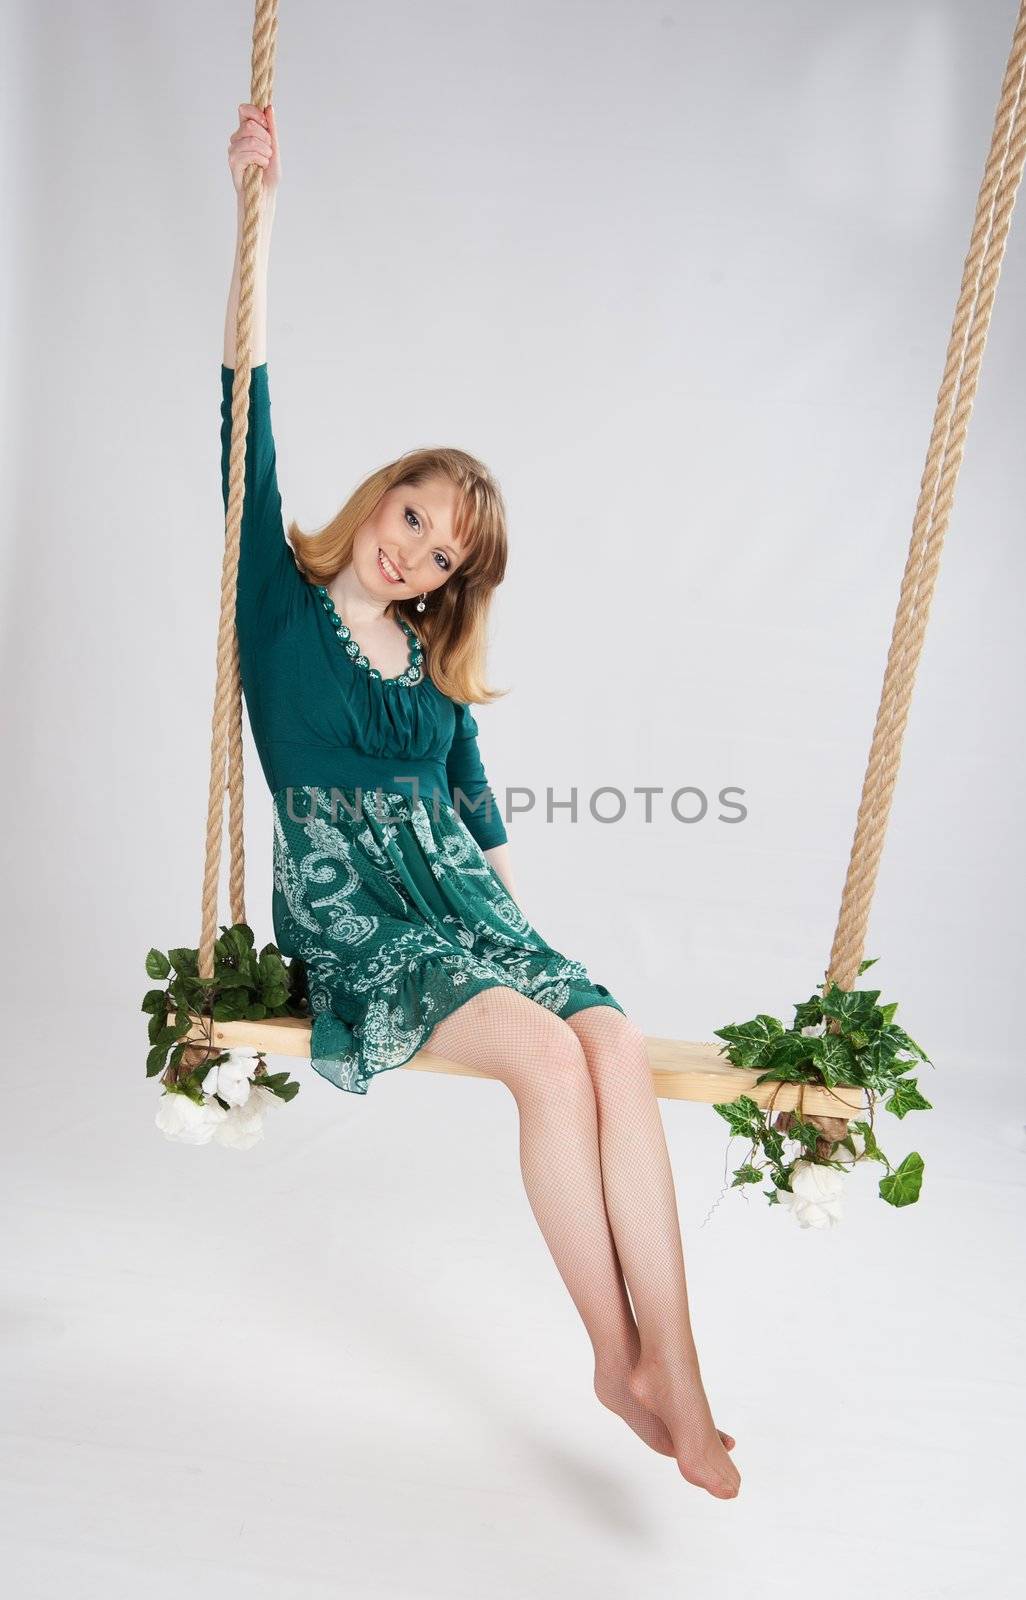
683 275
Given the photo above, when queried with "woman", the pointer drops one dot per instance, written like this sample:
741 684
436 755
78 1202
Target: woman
360 648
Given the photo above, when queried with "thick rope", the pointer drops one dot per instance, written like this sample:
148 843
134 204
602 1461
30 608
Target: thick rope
226 732
1001 179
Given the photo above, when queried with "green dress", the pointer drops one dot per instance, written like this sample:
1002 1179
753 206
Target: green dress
381 812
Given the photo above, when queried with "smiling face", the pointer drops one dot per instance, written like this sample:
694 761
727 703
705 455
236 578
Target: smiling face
407 547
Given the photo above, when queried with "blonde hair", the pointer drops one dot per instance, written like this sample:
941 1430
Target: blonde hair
454 625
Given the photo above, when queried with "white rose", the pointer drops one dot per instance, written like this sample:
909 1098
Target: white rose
232 1079
815 1198
814 1030
243 1125
843 1154
181 1118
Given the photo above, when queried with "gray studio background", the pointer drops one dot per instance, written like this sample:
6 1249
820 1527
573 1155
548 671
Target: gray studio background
683 275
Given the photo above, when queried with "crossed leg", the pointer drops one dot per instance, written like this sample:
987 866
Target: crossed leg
544 1063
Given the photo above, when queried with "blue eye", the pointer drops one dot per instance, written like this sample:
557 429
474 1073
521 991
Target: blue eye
443 560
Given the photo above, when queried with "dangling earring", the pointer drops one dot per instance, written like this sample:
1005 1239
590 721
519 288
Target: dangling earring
420 603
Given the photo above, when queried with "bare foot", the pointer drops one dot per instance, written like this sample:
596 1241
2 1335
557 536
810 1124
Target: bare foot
682 1407
615 1391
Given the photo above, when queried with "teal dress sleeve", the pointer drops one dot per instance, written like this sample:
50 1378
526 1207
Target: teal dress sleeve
270 582
475 803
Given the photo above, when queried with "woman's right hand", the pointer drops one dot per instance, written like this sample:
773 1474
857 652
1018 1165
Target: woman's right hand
255 142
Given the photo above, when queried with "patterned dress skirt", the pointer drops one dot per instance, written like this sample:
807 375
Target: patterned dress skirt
398 919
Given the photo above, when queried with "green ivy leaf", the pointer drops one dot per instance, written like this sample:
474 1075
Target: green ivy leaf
906 1097
883 1047
902 1187
772 1142
783 1072
742 1114
908 1044
836 1059
797 1047
808 1013
804 1133
872 1150
746 1174
751 1045
853 1008
761 1027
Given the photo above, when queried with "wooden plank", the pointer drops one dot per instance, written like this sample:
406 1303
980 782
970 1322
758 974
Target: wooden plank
680 1070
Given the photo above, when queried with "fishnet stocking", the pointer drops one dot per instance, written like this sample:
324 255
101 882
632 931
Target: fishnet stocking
598 1179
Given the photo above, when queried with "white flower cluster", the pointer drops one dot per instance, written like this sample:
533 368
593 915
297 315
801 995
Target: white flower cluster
816 1190
241 1126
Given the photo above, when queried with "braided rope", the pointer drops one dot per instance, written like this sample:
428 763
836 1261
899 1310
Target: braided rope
226 728
1001 178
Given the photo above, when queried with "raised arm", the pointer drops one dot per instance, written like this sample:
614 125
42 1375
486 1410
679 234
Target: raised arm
269 581
270 584
254 142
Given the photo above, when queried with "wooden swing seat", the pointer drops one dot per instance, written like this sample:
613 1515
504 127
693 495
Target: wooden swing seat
680 1071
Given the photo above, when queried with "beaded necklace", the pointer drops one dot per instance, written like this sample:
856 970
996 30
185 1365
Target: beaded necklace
413 673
